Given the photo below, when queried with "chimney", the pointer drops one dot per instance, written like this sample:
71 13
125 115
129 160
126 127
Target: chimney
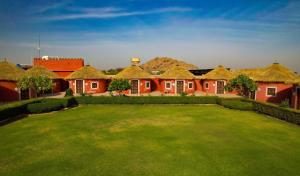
135 61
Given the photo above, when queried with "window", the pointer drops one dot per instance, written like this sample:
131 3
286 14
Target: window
190 85
147 84
271 91
94 85
206 85
167 85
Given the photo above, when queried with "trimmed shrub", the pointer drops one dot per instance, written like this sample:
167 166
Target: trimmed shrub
44 107
66 102
147 100
285 103
69 93
15 109
286 114
236 103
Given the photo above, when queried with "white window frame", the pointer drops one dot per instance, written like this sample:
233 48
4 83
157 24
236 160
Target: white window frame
271 88
206 87
168 82
191 84
93 83
147 82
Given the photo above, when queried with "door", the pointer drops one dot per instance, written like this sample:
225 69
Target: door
79 86
179 87
134 86
24 94
220 87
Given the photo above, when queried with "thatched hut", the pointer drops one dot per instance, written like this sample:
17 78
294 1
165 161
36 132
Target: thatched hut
8 81
214 81
88 80
273 83
177 80
139 79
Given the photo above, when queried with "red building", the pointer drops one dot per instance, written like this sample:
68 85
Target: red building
296 94
140 80
88 80
214 81
272 83
9 74
63 67
177 80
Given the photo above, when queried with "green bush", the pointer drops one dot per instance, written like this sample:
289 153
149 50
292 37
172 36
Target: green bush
183 94
15 109
44 107
285 103
236 103
147 100
286 114
66 102
69 93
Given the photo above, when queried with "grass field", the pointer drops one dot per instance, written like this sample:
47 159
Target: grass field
150 140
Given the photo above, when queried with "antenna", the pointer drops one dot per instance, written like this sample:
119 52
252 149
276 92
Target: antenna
39 47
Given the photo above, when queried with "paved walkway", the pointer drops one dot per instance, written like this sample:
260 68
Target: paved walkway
155 93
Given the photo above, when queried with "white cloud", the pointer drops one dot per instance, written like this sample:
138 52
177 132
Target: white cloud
112 12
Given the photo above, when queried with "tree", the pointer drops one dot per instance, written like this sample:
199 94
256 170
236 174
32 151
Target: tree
38 84
243 84
119 85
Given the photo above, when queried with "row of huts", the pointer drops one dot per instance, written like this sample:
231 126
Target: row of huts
275 82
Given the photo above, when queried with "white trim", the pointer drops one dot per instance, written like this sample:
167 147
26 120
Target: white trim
169 83
190 82
271 88
146 84
176 85
91 85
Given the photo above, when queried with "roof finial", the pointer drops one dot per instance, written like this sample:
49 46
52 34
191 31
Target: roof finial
135 61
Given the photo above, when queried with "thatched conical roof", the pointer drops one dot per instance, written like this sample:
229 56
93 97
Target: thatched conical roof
133 72
251 73
275 73
87 72
40 71
9 71
177 72
219 73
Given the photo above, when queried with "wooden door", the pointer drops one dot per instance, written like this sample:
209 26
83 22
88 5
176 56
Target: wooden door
220 87
24 94
134 87
179 87
79 86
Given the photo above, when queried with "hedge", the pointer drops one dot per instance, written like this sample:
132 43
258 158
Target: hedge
18 108
48 105
286 114
14 109
147 100
236 103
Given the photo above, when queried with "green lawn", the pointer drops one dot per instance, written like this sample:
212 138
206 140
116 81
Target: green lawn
150 140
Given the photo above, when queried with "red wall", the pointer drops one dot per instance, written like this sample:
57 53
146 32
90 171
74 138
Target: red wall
61 66
8 92
102 86
172 90
212 87
284 91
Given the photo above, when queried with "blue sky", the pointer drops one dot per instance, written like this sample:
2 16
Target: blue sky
107 34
